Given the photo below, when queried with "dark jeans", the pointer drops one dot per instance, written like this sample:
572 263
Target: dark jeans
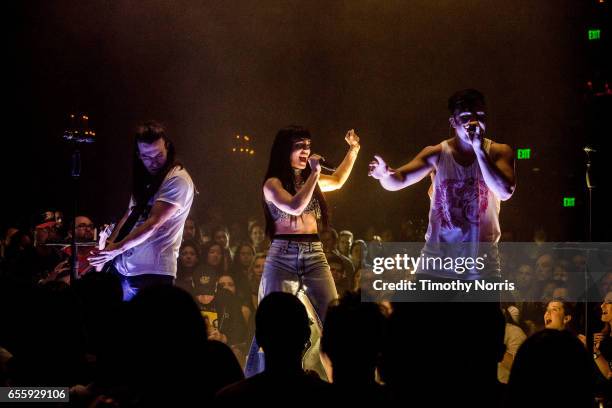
131 285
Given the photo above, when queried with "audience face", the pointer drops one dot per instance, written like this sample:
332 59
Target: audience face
337 271
524 276
222 238
579 262
245 256
560 274
257 235
548 290
345 241
544 267
227 282
555 317
84 229
358 252
606 308
605 284
328 240
189 230
188 257
214 256
258 269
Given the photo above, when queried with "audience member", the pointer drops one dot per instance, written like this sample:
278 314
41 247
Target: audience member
282 330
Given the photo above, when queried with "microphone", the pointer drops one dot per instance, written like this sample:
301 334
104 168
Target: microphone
589 149
472 126
325 165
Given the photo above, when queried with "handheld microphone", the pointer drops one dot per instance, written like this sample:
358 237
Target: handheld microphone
473 126
325 165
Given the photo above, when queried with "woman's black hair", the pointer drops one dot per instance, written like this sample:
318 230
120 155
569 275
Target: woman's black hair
280 167
193 244
145 184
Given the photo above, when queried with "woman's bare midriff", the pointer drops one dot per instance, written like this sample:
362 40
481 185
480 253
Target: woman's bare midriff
304 224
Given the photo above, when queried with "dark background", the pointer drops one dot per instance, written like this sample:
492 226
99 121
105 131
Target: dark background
210 70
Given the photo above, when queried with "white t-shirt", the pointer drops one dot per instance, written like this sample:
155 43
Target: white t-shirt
158 254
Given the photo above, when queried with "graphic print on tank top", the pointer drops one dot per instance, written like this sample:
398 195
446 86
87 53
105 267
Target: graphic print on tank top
460 203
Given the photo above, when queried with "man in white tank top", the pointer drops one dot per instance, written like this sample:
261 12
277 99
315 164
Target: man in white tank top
470 176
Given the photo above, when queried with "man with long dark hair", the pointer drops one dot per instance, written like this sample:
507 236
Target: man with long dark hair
145 243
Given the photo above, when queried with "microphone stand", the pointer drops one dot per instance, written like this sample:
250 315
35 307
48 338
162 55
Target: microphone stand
590 186
76 134
76 175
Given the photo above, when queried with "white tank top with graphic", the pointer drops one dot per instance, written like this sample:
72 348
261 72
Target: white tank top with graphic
462 210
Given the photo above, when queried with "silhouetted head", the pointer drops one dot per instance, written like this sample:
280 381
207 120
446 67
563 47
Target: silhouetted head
282 326
551 369
353 336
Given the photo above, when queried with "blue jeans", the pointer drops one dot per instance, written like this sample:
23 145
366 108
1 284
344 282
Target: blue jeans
302 269
131 285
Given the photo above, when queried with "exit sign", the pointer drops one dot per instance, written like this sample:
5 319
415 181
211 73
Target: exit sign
569 201
594 35
523 153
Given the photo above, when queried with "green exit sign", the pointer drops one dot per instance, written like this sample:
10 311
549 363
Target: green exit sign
523 153
569 201
594 35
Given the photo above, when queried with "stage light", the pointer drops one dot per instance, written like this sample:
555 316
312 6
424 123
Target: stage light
78 129
522 154
242 144
569 201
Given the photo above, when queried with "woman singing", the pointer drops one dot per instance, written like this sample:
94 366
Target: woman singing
295 210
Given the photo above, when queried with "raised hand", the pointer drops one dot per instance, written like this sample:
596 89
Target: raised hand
351 138
378 169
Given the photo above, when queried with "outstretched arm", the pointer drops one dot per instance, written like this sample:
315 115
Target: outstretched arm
339 177
410 173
